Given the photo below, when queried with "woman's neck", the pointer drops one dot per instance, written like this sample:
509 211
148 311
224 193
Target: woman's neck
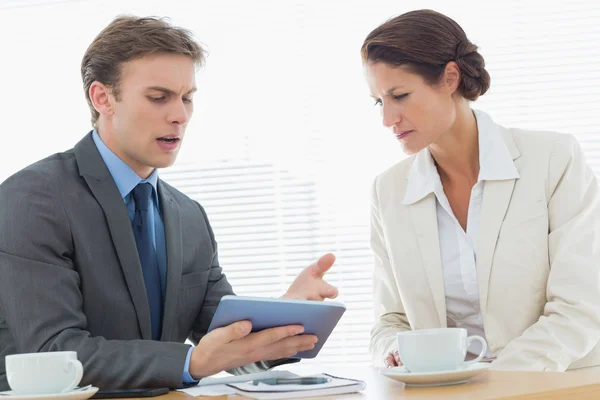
456 153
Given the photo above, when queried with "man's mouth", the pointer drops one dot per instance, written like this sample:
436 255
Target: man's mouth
168 139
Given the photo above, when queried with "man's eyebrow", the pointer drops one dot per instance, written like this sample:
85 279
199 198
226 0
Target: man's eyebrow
169 91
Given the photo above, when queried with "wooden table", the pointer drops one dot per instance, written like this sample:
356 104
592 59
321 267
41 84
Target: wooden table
580 384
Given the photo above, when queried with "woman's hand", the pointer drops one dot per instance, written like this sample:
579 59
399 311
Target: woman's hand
393 360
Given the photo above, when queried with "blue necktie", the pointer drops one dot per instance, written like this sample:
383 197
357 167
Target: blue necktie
147 253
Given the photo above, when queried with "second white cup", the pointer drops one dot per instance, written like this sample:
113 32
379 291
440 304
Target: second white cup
433 350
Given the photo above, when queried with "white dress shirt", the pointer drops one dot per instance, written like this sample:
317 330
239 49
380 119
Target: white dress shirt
458 247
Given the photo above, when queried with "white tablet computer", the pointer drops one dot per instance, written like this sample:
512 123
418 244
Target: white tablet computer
317 317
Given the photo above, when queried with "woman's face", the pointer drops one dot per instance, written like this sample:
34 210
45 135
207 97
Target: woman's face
417 113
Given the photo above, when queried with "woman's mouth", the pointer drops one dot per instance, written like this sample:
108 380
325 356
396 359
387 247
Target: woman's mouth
401 135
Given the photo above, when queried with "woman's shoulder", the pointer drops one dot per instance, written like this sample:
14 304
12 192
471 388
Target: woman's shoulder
537 137
542 144
536 143
398 172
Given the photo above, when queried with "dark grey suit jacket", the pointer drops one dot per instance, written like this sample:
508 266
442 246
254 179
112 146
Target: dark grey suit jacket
70 275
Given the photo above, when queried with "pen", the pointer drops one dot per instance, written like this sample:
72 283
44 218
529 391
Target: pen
307 380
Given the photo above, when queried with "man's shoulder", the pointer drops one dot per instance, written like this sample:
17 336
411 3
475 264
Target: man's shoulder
57 168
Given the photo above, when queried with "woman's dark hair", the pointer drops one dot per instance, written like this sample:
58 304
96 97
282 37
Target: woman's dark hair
424 41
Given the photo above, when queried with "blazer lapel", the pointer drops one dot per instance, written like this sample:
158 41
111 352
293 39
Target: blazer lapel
97 176
496 199
424 217
173 238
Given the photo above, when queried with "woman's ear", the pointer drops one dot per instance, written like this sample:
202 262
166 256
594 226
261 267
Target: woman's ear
451 77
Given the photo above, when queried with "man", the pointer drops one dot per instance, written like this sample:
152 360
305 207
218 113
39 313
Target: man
99 256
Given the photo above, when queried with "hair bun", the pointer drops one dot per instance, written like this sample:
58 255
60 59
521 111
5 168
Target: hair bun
475 80
468 59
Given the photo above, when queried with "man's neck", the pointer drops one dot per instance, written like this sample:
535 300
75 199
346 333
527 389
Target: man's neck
108 138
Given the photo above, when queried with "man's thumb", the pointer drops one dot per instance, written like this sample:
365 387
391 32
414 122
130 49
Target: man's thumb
238 330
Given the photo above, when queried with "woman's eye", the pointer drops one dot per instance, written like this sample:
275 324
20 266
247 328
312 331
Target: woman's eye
401 96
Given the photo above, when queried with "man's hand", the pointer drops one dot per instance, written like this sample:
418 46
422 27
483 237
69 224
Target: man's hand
233 346
309 284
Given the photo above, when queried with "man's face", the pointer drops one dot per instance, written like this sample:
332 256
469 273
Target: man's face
154 106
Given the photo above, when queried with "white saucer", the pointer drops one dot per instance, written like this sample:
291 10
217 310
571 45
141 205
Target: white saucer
440 378
75 394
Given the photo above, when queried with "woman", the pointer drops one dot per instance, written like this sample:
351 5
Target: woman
486 228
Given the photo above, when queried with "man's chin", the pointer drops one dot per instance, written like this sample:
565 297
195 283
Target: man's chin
163 163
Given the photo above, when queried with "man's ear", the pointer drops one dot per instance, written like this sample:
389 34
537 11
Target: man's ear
102 98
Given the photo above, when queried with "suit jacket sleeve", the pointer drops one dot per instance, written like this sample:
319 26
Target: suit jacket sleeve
218 286
570 325
390 317
41 300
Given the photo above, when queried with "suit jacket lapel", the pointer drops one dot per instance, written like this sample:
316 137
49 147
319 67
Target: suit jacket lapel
173 238
424 217
496 199
97 176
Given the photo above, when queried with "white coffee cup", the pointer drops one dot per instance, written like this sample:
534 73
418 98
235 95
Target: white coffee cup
43 373
432 350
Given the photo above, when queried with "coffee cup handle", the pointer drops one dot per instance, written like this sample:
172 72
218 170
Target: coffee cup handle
78 375
483 349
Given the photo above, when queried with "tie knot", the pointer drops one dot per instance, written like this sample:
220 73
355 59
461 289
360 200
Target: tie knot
141 196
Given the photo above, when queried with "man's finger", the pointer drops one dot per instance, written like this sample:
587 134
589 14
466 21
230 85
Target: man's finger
323 264
289 346
229 333
272 335
329 291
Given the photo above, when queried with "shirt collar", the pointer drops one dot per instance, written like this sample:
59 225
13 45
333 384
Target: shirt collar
125 178
423 178
495 162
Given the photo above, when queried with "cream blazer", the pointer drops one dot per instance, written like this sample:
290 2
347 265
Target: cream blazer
538 258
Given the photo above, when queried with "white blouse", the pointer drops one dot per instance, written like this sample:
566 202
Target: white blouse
457 247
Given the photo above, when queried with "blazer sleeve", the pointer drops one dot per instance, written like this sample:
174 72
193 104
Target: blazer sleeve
218 286
390 317
569 327
41 303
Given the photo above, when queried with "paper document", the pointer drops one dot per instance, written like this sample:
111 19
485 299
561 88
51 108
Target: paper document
245 378
335 385
243 385
217 386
